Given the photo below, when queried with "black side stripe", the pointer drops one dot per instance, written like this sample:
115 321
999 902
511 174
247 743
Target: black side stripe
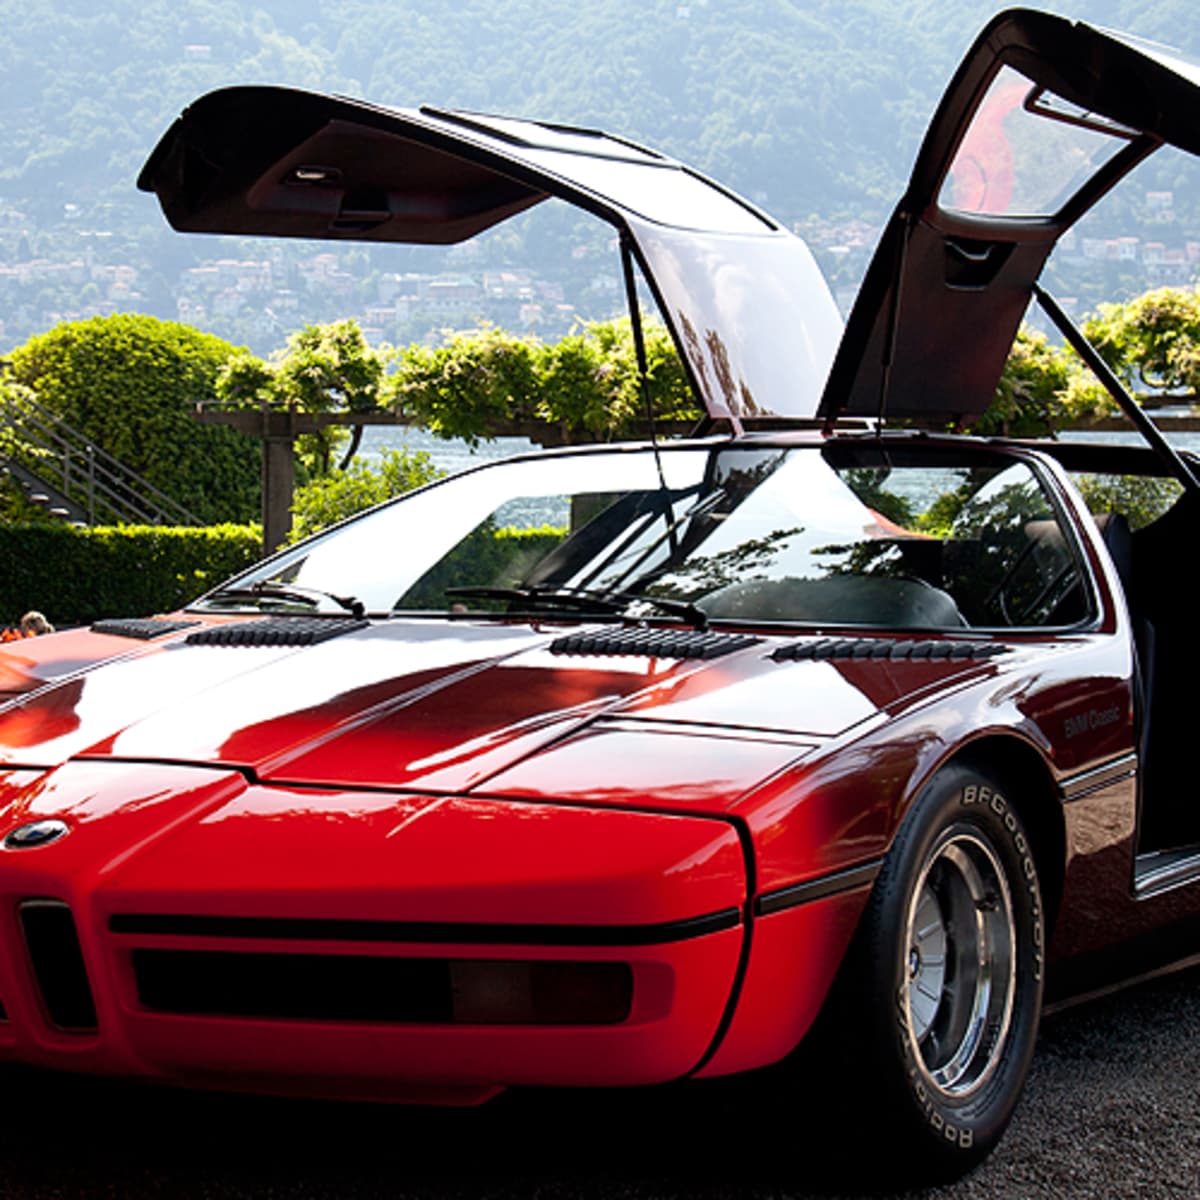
1084 783
424 932
817 889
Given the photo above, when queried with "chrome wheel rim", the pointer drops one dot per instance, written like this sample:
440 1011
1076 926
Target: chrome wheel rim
960 975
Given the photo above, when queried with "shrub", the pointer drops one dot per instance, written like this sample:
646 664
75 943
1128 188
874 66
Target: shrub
479 382
1042 388
487 557
130 382
76 576
340 494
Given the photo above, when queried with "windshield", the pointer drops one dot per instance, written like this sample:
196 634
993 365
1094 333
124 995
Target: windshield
833 535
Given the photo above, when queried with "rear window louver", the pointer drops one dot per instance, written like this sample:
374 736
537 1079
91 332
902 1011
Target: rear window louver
655 643
142 628
276 631
928 650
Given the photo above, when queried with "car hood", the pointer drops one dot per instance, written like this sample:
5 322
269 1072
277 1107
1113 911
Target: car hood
732 284
448 706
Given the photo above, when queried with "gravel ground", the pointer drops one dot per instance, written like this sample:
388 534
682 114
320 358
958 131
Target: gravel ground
1110 1112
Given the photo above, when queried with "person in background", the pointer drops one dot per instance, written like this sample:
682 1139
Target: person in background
33 624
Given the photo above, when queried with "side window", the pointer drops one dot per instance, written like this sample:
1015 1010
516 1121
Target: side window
1008 560
1140 499
982 532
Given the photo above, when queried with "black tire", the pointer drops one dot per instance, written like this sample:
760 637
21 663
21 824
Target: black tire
938 1006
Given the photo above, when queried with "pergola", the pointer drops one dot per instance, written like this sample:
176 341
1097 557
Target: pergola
278 430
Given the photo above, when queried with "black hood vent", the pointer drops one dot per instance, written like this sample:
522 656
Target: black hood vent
276 631
142 628
656 643
928 650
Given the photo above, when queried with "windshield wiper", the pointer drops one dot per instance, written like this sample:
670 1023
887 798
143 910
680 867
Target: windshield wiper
268 590
575 598
679 608
584 599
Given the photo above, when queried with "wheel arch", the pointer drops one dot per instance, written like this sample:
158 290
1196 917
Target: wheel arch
855 1026
1028 785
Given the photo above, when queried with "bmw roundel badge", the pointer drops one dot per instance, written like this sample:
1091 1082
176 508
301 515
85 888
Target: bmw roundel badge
37 833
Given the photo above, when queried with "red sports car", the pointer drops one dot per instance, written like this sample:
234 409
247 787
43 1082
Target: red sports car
625 764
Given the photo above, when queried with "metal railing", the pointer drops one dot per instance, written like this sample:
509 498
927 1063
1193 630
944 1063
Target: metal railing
68 473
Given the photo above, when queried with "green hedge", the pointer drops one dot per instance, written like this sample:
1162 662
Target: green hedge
486 557
75 576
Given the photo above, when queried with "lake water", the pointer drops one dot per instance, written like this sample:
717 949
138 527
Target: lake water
457 455
451 456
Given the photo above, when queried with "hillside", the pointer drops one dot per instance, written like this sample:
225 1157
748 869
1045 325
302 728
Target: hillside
812 109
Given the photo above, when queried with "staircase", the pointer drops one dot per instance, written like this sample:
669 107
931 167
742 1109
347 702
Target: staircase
64 472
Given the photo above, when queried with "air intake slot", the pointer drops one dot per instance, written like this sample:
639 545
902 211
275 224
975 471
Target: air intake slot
57 960
932 649
293 986
656 643
382 989
276 631
142 628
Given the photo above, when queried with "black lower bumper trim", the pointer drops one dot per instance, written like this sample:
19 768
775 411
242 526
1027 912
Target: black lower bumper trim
816 889
424 932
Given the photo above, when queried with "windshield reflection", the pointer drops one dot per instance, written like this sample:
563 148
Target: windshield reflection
832 535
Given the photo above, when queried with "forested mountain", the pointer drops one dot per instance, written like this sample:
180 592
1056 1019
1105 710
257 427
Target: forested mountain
813 109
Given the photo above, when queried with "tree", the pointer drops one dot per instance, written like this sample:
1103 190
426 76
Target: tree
478 384
324 368
1041 388
1153 338
343 492
130 383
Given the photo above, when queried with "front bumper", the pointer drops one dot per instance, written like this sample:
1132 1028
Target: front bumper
349 931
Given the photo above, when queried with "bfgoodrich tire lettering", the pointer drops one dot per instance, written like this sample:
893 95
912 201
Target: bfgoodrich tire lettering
943 989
